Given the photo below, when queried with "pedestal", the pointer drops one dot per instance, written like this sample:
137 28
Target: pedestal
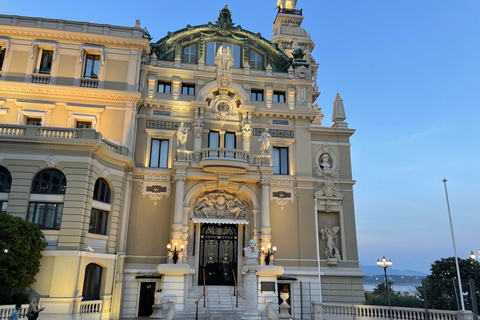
251 298
174 282
284 307
157 307
268 274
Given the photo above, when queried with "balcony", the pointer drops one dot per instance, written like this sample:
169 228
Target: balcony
233 159
75 136
89 83
41 78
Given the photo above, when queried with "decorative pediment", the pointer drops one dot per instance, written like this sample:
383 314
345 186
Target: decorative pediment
215 205
155 190
328 196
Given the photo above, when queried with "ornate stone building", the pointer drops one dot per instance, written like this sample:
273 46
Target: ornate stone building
203 140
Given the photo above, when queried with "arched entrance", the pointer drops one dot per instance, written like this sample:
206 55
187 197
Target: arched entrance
218 254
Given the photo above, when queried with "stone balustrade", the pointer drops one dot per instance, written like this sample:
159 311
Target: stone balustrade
89 83
41 78
39 132
334 311
92 309
6 310
225 154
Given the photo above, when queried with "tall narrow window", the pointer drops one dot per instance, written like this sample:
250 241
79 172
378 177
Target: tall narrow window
99 215
92 65
214 139
190 54
280 160
255 61
92 282
230 140
45 61
159 153
5 184
2 57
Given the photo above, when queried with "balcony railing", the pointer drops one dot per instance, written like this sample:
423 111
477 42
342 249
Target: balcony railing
297 12
6 310
41 78
224 154
29 132
89 83
91 307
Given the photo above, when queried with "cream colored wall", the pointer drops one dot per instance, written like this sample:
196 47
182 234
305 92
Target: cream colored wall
116 75
112 124
66 69
18 63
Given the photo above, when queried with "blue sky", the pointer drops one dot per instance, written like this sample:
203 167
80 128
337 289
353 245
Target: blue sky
409 74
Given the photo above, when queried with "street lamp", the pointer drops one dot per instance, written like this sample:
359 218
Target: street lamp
473 256
269 253
384 263
174 252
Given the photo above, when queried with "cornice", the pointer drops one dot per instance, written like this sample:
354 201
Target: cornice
64 36
25 89
332 130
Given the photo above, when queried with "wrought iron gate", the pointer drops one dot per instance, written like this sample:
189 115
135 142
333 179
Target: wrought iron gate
218 254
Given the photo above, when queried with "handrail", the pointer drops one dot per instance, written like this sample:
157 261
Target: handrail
236 287
203 295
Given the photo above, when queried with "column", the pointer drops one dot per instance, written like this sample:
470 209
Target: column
178 211
265 213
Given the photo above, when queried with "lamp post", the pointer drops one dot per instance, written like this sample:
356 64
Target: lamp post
174 252
268 254
472 283
384 263
473 256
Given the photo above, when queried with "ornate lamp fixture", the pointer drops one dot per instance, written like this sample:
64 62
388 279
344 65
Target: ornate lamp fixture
473 256
174 252
269 253
384 263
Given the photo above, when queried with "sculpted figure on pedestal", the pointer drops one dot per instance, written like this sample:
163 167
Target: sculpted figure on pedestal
251 254
182 134
265 139
330 235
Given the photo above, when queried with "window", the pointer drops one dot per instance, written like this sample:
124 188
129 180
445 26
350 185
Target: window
92 282
92 65
84 124
98 221
3 206
44 64
50 181
214 139
5 180
190 54
255 61
159 153
165 87
257 95
33 121
280 160
101 191
2 57
188 89
230 140
278 96
212 50
46 214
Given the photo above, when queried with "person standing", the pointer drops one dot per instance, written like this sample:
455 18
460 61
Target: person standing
33 309
16 313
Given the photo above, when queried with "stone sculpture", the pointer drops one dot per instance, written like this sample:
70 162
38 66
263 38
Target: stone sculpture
331 248
265 139
250 271
219 204
182 134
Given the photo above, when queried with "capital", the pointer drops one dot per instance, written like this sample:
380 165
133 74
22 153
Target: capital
180 178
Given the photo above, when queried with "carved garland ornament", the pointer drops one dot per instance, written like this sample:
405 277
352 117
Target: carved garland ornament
155 190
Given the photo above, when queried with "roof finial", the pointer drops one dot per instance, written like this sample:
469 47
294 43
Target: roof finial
286 4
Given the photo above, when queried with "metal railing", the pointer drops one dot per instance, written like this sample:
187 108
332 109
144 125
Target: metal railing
202 296
236 288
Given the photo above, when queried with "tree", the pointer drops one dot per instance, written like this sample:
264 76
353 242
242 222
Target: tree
21 244
440 283
397 299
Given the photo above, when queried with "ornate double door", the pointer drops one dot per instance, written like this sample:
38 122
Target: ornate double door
218 254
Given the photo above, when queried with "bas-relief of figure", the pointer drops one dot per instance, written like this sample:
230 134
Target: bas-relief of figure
331 236
265 139
182 134
219 204
325 161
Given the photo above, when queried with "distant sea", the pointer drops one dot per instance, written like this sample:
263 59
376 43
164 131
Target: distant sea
401 288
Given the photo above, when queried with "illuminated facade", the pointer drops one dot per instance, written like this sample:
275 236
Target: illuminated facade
204 139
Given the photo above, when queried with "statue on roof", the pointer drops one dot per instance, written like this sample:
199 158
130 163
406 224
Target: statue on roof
225 19
286 4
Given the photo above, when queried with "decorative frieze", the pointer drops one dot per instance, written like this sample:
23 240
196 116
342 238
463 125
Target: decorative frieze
275 133
166 125
283 196
155 190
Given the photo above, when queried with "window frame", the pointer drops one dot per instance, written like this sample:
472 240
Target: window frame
37 121
85 64
57 217
256 62
278 94
280 162
210 138
102 191
93 288
40 61
255 94
190 89
80 79
5 175
210 60
150 156
98 221
187 57
63 180
166 85
3 53
234 139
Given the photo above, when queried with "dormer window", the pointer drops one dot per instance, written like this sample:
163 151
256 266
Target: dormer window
190 54
212 49
255 61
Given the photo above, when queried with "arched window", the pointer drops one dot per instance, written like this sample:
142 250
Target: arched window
46 201
5 184
212 49
190 54
92 282
100 208
49 181
102 191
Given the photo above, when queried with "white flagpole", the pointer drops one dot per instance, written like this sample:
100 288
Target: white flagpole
454 248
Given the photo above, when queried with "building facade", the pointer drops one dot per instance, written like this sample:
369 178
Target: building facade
209 137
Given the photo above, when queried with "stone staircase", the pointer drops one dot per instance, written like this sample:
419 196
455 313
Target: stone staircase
220 304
